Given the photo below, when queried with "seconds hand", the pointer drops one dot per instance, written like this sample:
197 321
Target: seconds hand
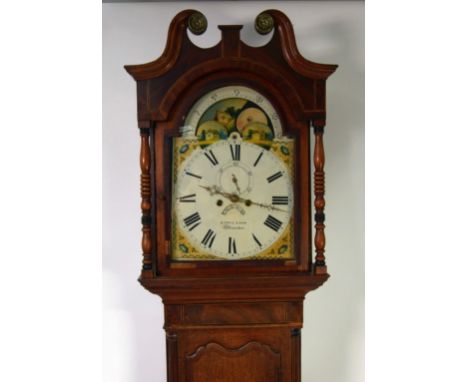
234 179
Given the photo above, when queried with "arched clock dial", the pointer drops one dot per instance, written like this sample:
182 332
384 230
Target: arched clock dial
233 199
233 194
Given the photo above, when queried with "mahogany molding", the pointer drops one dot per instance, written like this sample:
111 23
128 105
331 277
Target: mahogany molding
234 288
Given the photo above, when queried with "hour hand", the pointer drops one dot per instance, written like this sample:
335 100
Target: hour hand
211 190
214 190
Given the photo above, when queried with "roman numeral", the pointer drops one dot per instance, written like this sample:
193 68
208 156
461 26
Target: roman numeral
273 223
258 159
232 246
279 200
209 238
192 221
211 157
256 240
275 176
187 198
194 175
235 151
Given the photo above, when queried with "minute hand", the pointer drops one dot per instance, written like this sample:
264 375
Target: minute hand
269 206
234 198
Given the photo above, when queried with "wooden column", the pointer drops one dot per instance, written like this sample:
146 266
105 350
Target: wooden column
320 266
296 354
172 354
145 188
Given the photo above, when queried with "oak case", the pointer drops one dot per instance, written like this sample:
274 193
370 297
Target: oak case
231 320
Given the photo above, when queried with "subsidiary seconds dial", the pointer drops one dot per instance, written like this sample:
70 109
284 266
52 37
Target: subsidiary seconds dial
233 199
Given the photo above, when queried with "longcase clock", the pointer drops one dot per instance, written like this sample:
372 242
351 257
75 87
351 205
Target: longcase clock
228 239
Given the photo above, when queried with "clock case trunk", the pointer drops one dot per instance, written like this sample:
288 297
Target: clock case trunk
224 319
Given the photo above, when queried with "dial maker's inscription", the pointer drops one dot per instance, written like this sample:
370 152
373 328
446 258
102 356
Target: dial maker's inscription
233 225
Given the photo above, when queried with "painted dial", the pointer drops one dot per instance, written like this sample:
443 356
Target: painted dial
233 199
250 104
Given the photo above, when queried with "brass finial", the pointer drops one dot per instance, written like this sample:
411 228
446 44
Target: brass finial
197 23
264 23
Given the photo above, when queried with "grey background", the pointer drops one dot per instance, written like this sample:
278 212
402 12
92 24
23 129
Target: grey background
326 32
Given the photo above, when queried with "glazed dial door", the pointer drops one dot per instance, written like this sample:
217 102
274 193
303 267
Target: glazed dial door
232 184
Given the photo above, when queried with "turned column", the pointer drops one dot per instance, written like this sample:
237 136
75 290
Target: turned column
145 189
319 201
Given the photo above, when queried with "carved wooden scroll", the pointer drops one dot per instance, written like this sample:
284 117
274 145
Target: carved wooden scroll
319 202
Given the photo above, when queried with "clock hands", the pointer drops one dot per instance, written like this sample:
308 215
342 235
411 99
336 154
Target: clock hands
234 179
214 190
217 191
248 202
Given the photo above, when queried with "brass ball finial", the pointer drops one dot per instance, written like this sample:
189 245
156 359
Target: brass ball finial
264 23
197 23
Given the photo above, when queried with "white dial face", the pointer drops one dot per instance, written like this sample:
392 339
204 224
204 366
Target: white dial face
233 199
